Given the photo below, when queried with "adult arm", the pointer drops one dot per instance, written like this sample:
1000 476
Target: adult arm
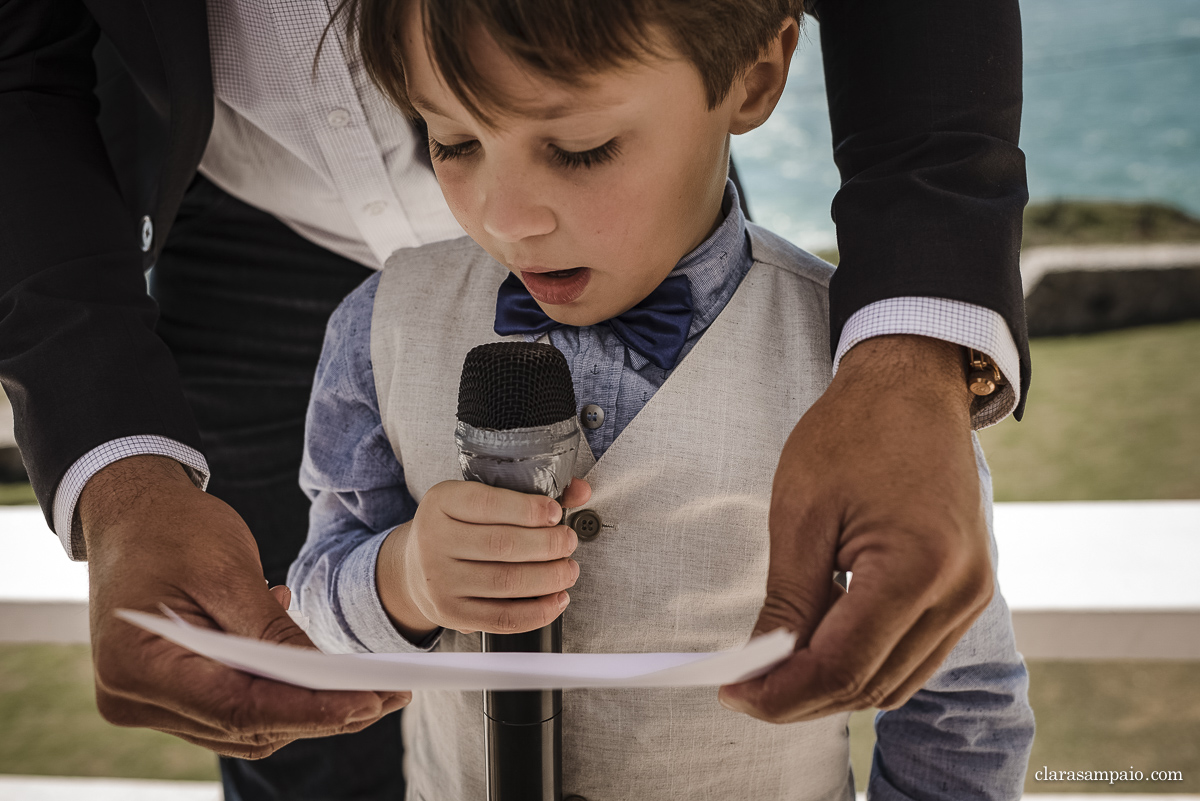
925 113
78 354
878 477
81 363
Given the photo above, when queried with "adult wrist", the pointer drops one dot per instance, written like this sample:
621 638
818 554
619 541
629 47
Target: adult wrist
124 487
908 365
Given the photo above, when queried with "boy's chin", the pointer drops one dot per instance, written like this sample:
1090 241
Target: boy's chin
574 316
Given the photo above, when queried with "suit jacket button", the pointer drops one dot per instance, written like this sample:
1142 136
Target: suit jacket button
586 523
147 233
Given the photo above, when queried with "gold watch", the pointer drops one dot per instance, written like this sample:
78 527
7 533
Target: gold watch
983 376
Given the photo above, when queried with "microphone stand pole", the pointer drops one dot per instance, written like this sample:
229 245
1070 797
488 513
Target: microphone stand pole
523 734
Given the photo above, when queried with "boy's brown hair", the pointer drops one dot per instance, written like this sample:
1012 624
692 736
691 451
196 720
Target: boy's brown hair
565 40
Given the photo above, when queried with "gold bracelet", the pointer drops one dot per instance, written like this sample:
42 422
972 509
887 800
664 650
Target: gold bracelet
983 376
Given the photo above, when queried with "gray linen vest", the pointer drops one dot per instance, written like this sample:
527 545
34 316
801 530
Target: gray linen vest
681 562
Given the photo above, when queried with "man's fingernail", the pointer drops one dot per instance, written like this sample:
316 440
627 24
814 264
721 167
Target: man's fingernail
725 702
563 599
555 513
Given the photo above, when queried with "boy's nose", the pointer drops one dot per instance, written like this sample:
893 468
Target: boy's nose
512 212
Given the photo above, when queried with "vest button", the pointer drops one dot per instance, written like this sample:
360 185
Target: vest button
586 523
592 416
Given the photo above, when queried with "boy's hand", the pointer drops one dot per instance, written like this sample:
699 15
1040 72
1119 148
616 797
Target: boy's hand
480 558
878 478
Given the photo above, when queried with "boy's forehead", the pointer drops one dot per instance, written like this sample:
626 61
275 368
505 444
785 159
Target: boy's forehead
518 90
541 107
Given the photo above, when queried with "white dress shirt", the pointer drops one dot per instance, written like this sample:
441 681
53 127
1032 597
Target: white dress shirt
317 145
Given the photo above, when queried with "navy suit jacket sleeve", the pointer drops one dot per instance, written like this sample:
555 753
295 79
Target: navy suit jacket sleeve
925 110
79 357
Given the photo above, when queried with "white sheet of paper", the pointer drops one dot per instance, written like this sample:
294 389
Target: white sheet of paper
470 671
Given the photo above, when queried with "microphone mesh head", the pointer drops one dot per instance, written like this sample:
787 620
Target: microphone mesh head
515 385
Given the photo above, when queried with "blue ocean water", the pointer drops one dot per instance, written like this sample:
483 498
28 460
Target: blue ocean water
1112 110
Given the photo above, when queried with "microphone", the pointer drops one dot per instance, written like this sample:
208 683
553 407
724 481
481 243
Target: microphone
517 430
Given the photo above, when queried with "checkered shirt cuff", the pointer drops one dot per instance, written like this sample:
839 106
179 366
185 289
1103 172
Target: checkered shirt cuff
952 321
69 489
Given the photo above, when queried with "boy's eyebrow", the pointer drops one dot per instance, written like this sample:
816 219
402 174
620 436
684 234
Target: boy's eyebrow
548 112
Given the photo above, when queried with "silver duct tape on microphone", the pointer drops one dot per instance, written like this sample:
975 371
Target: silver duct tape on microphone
532 460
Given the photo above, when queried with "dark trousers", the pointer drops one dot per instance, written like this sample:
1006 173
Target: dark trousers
244 303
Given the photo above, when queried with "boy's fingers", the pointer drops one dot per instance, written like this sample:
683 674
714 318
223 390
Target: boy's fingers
282 594
511 617
472 502
514 544
578 493
506 580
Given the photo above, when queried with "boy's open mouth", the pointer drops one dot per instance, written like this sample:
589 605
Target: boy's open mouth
558 287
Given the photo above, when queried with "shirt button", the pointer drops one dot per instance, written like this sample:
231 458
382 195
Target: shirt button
592 416
338 118
147 234
375 208
586 523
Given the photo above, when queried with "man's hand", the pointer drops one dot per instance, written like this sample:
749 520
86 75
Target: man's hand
878 478
154 538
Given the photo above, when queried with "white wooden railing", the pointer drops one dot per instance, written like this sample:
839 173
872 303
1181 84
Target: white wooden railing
1097 580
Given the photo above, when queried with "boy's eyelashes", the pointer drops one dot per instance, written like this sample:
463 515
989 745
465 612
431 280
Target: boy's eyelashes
586 158
570 159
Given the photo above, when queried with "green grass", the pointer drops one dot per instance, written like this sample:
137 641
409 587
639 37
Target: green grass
1095 222
16 495
49 724
1111 416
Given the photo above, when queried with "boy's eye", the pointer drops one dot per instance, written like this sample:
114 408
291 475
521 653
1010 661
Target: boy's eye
569 159
440 152
586 158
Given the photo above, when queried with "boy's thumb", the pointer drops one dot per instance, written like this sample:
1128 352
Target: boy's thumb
282 594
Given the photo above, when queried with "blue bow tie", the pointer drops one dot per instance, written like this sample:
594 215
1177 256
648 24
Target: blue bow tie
656 327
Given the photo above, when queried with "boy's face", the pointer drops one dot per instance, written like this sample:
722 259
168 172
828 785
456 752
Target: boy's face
590 194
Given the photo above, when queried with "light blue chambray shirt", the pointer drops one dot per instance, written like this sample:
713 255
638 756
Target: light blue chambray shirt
966 735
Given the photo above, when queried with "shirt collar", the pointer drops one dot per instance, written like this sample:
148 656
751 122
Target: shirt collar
718 263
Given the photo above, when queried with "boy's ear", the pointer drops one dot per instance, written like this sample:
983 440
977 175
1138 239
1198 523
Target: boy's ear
761 84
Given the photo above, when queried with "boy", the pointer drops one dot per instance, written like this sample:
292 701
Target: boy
585 155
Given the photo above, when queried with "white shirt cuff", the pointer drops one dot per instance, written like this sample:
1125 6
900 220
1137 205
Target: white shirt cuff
966 324
363 612
86 466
